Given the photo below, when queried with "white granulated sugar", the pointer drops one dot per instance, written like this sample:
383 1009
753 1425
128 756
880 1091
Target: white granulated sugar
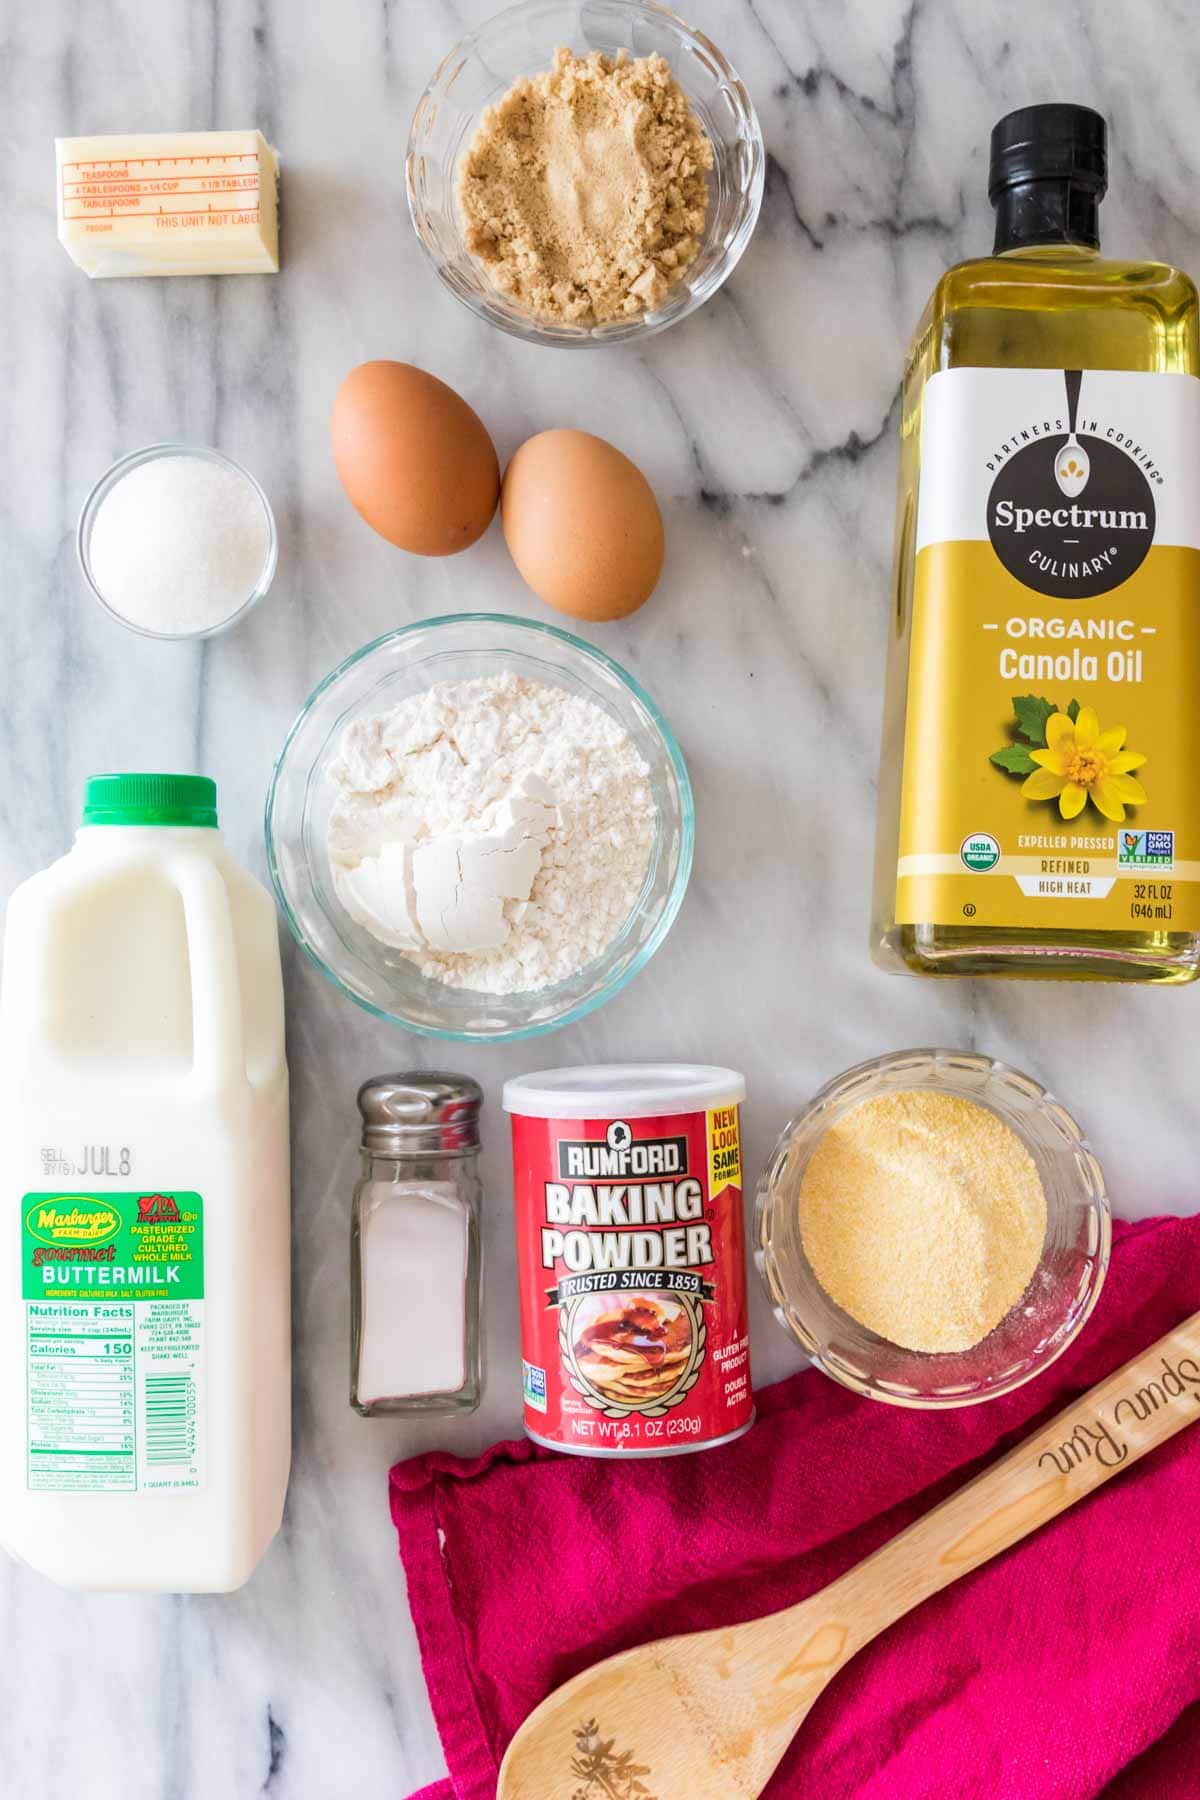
179 544
497 832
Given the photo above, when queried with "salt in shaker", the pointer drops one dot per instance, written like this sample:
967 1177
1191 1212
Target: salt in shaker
415 1262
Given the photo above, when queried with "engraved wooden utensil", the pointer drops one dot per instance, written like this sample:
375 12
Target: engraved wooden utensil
709 1716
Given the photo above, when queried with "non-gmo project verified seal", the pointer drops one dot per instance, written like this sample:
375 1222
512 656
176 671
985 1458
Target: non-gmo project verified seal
1145 849
535 1386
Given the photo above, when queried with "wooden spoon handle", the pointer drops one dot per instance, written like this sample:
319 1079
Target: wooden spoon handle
1108 1428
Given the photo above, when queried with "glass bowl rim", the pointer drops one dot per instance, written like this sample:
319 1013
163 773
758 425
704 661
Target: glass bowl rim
1101 1206
116 472
530 330
679 885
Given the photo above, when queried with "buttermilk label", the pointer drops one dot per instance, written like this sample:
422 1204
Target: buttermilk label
1051 733
115 1360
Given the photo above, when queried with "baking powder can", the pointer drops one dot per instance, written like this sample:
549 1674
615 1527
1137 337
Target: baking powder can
631 1258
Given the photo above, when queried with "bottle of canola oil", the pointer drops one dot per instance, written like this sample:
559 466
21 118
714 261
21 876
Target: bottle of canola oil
1038 810
145 1354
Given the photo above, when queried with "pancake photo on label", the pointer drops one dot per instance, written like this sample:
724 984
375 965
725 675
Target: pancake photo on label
634 1351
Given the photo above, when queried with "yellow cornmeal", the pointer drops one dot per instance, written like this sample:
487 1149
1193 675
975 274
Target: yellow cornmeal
923 1216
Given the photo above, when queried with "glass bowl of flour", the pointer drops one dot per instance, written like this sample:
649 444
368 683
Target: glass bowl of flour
480 827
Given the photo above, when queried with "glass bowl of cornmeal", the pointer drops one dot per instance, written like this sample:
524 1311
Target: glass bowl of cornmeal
933 1228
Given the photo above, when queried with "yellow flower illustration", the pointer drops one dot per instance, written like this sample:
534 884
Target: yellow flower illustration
1082 763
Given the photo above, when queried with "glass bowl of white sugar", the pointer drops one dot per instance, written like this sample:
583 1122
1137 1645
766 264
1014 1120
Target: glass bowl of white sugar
177 541
480 827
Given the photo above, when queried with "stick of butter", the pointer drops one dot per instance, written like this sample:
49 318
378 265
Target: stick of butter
170 203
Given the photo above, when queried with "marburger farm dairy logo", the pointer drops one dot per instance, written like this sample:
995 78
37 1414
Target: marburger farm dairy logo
72 1219
1071 513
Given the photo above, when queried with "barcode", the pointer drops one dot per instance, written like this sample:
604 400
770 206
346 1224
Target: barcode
170 1419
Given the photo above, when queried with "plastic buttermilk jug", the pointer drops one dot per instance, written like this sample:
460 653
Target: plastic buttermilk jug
145 1346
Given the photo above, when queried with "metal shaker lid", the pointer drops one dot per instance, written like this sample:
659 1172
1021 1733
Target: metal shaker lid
425 1112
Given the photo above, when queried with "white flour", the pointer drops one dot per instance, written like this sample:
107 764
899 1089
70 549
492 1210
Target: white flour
497 832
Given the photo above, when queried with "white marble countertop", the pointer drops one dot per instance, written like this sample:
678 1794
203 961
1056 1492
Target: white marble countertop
766 424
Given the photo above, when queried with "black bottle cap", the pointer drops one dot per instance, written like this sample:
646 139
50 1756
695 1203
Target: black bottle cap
1049 143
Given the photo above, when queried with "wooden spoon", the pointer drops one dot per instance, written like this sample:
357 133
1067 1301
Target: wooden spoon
709 1716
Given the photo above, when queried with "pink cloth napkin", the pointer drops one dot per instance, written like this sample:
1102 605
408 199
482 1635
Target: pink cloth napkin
1042 1676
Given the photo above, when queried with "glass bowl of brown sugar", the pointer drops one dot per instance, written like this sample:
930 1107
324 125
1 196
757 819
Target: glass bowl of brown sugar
933 1229
521 45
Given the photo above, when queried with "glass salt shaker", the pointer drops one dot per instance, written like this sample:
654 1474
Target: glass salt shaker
415 1262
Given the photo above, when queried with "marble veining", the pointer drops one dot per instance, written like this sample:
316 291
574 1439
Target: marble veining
767 425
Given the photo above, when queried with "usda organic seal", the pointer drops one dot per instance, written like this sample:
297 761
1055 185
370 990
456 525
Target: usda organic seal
980 852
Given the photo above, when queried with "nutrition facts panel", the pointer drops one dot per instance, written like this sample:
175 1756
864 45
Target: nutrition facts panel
165 188
81 1393
114 1395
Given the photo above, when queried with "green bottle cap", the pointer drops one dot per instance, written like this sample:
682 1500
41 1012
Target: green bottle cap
150 800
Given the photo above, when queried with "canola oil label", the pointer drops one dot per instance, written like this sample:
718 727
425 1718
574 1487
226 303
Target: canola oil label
1052 734
113 1289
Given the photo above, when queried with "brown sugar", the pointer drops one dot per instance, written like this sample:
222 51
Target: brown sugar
584 190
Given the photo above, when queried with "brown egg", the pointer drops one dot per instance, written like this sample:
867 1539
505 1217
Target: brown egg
582 524
414 459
